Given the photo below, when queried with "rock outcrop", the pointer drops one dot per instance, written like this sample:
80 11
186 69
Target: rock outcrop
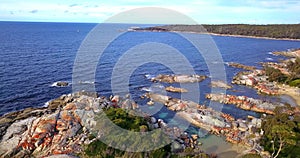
178 78
220 84
61 84
176 89
60 128
246 103
236 131
241 66
64 127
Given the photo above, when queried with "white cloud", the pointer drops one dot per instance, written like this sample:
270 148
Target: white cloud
213 11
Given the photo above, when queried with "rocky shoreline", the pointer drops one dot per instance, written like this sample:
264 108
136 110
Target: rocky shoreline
220 84
247 103
292 53
65 125
176 89
258 80
241 66
236 131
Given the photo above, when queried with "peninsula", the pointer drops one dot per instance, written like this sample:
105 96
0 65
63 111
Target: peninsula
278 31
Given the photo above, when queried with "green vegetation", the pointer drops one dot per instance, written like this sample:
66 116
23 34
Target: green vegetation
291 31
294 68
275 75
282 133
293 79
101 150
127 120
295 83
272 31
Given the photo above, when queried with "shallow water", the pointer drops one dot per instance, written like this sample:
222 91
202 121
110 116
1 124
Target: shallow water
216 145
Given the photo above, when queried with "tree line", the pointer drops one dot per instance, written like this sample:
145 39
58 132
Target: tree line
291 31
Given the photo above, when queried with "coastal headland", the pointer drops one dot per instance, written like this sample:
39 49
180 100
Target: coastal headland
280 32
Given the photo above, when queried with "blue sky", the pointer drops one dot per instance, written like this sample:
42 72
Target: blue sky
203 11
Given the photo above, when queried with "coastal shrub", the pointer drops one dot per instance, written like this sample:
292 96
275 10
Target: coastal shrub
282 133
100 149
129 121
275 75
295 83
294 68
125 119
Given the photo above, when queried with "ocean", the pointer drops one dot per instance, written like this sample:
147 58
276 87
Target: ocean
36 55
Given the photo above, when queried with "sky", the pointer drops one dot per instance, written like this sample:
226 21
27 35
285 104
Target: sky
202 11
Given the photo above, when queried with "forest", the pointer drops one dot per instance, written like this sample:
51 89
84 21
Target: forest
291 31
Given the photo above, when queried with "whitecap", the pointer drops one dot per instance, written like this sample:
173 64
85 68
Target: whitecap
86 82
148 76
270 59
147 89
46 104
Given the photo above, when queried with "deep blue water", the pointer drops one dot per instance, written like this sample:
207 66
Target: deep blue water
35 55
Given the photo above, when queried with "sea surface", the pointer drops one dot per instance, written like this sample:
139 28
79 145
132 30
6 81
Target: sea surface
34 56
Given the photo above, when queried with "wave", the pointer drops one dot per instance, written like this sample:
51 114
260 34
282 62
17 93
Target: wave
47 104
271 53
147 89
270 59
153 88
148 76
218 62
87 82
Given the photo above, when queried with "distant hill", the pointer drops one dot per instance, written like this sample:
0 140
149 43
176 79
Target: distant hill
291 31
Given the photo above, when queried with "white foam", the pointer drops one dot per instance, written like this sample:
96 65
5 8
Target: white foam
227 63
46 104
86 82
147 89
54 84
270 59
148 76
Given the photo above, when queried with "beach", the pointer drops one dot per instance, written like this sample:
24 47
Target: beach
217 145
290 91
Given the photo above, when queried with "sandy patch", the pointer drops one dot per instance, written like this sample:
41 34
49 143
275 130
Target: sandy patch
217 145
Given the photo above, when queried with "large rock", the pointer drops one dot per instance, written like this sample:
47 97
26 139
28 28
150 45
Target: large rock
14 134
52 130
61 84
